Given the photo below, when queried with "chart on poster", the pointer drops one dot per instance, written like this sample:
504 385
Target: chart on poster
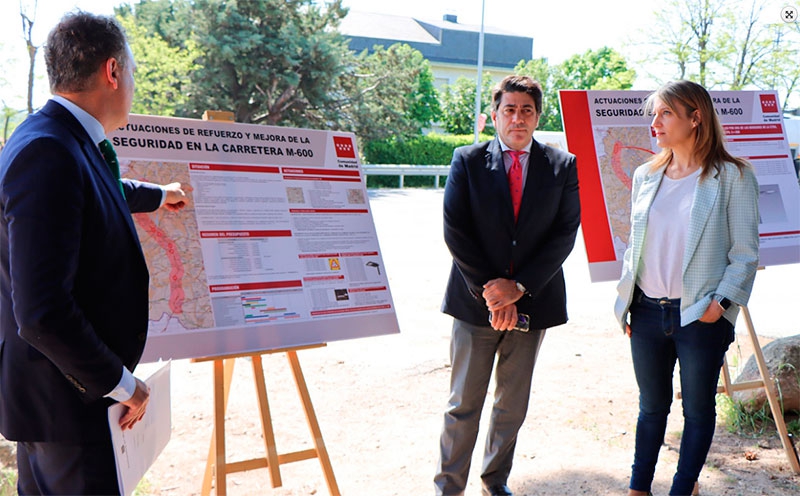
611 136
277 247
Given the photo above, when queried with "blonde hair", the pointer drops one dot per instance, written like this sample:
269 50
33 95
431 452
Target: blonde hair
689 97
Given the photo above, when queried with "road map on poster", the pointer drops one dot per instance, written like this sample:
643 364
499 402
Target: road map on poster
611 136
277 248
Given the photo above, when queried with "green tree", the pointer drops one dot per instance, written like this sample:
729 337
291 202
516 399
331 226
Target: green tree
779 68
685 37
163 72
601 69
269 61
11 116
458 104
746 44
169 19
388 93
424 108
725 44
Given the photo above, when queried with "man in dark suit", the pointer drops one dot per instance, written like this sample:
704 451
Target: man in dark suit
73 279
511 213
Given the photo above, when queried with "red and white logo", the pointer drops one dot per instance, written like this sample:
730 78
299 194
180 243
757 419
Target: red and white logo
344 147
769 104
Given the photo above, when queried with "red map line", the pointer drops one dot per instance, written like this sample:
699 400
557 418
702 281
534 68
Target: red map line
176 294
616 162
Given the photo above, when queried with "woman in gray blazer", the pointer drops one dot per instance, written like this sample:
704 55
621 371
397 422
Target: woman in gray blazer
691 260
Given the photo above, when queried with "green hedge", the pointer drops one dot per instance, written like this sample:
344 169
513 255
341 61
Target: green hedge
431 149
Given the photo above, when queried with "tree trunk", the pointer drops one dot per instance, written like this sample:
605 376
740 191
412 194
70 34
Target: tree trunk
32 56
27 29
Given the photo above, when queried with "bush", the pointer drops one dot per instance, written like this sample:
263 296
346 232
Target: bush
8 481
432 149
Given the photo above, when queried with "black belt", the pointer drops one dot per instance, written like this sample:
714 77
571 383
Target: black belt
638 295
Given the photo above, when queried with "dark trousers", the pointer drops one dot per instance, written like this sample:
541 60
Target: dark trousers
472 354
66 469
657 342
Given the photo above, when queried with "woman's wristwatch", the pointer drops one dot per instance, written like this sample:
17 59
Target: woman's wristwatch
723 302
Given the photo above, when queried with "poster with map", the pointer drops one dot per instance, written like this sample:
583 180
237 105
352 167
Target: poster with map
276 248
611 136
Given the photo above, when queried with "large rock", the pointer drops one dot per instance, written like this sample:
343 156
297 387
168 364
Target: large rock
783 361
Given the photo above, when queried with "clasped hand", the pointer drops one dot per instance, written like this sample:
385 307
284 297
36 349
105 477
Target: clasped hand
500 296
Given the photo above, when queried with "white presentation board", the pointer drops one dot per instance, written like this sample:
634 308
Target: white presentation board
277 249
611 136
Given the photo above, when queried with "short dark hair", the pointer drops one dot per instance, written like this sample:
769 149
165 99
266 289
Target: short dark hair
518 84
79 44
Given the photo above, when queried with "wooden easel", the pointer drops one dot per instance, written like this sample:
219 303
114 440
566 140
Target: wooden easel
766 382
217 466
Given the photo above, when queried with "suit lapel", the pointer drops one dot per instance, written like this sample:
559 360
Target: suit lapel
705 195
539 173
102 171
94 159
499 179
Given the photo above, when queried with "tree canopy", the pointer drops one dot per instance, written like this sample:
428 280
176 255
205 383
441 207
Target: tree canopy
269 61
163 72
726 44
388 93
279 62
601 69
458 104
284 62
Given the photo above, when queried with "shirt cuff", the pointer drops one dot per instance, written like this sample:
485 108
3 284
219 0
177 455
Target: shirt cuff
125 389
163 199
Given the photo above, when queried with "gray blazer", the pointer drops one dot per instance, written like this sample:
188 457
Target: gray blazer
721 253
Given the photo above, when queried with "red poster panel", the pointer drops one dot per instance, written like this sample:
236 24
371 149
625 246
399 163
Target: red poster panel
611 136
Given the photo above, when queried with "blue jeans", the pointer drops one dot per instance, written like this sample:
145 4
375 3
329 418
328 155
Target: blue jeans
657 341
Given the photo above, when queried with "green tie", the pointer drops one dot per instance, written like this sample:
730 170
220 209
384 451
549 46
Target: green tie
110 156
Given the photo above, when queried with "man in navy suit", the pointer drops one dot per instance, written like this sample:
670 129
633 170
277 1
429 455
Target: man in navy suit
511 213
73 279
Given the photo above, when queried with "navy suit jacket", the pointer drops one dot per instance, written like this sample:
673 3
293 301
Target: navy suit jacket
73 281
486 243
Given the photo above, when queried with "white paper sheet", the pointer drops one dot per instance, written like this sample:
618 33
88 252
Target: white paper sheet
136 449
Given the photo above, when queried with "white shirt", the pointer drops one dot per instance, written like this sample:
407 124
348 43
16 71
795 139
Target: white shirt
660 273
